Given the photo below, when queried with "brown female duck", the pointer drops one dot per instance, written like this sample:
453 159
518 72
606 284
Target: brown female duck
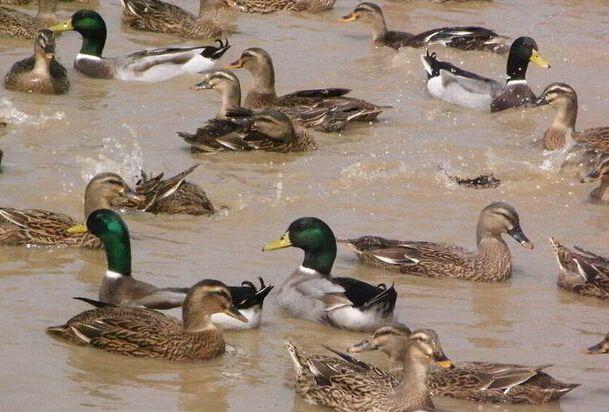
146 333
162 17
464 38
322 381
270 6
35 227
599 348
14 23
582 271
599 172
174 195
263 96
474 381
40 73
491 263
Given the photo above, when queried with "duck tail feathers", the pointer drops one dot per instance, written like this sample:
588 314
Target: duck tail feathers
386 298
95 303
430 64
215 52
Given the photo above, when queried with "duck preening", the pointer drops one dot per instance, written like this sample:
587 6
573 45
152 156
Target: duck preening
312 293
448 82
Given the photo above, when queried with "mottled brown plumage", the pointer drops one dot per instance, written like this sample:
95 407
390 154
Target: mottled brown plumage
35 227
348 388
582 271
491 263
600 171
474 381
14 23
599 348
141 332
174 195
270 6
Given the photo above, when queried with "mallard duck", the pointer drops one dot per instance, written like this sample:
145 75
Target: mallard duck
40 73
312 293
270 6
486 181
163 17
474 381
491 263
119 288
448 82
319 381
582 271
267 130
599 172
562 133
142 332
35 227
14 23
464 38
150 65
174 195
599 348
263 96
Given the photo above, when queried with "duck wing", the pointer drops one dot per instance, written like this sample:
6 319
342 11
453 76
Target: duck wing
464 38
363 295
595 138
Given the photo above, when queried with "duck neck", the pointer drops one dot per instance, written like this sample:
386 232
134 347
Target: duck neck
566 116
196 320
264 78
95 199
413 387
231 99
321 259
378 28
493 255
118 252
517 66
93 42
41 64
46 10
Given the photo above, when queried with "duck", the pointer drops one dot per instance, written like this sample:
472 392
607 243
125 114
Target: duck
14 23
174 195
150 65
145 333
120 288
40 73
463 38
312 293
266 130
448 82
562 134
491 263
599 348
599 172
474 381
259 64
581 271
271 6
162 17
37 227
323 382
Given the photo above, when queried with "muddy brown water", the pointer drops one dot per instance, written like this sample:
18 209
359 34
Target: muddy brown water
374 179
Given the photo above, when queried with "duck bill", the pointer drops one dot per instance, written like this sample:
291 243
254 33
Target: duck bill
517 233
49 56
233 312
442 360
204 85
541 100
235 65
131 195
77 229
591 177
537 60
348 18
65 26
278 244
363 346
596 349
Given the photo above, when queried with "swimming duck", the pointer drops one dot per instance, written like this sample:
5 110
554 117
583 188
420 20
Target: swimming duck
491 263
474 381
35 227
448 82
599 172
142 332
582 271
312 293
267 130
14 23
163 17
562 133
263 96
464 38
321 383
270 6
40 73
119 288
174 195
150 65
599 348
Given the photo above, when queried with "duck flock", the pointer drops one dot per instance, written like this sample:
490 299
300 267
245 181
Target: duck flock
125 318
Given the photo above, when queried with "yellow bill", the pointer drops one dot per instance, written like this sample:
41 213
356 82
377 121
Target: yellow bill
77 229
538 60
445 363
278 244
234 65
348 17
65 26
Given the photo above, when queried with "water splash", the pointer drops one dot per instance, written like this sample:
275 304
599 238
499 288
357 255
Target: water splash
10 114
